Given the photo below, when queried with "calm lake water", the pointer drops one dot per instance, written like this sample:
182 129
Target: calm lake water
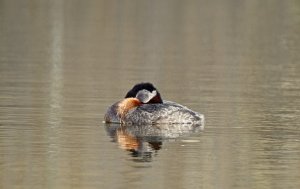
62 63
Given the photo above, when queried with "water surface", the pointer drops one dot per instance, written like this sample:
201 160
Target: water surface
62 63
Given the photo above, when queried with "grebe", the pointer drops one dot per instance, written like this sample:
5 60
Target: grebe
143 105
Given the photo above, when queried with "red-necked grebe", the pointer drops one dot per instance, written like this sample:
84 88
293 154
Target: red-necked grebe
143 105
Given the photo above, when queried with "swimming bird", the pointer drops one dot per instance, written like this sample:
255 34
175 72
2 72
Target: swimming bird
143 105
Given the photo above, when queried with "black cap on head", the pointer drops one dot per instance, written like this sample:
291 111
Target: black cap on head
147 86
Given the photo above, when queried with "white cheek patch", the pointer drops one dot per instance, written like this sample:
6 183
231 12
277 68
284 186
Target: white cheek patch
145 96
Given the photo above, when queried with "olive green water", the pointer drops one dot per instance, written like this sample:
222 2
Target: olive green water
62 63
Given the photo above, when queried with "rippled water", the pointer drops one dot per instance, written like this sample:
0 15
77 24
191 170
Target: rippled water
62 63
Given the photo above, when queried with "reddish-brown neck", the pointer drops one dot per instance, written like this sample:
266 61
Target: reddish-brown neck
155 100
126 105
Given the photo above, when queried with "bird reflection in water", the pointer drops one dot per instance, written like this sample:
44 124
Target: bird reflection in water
138 146
144 141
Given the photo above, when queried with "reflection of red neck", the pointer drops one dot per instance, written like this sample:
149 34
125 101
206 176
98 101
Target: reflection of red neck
126 141
125 105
